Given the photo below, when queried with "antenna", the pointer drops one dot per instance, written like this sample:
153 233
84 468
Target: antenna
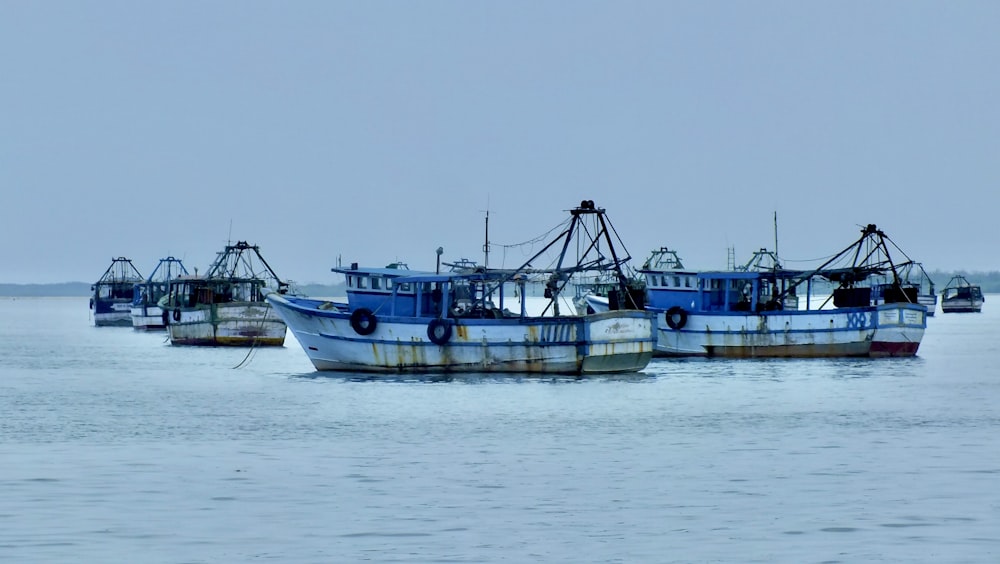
776 255
229 238
486 243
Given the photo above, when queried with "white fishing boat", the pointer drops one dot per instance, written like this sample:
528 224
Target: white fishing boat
743 313
475 319
226 306
961 296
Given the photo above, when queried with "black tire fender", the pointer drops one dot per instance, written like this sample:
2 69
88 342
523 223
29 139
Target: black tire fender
439 331
177 314
363 321
676 317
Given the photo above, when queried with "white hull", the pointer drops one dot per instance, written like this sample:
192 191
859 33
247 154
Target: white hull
147 318
962 306
620 341
112 313
930 302
888 330
115 319
227 324
598 304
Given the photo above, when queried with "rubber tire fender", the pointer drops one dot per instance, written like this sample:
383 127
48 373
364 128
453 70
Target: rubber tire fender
439 331
177 314
680 314
363 321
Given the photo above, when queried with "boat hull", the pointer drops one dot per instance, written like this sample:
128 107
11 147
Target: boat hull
887 330
148 318
112 313
235 324
961 306
614 342
928 301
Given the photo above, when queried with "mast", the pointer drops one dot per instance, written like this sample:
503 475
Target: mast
486 241
776 254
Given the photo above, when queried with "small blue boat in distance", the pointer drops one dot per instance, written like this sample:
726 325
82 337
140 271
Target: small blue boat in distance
146 312
111 301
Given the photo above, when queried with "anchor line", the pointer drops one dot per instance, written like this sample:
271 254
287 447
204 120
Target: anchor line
256 339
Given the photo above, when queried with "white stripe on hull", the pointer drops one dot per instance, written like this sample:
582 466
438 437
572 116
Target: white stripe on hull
147 318
817 333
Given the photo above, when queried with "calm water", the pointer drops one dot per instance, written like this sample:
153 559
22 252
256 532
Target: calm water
117 447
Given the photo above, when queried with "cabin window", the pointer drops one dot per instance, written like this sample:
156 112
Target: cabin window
350 281
687 281
404 287
677 281
362 283
376 284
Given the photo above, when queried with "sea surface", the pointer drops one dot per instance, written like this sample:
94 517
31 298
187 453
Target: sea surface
117 447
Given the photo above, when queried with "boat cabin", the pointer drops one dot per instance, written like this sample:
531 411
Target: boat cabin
408 293
962 293
721 291
191 291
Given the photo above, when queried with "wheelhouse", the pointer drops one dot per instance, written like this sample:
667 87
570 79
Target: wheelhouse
427 295
191 291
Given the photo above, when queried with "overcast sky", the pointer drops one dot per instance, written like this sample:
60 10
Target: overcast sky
379 131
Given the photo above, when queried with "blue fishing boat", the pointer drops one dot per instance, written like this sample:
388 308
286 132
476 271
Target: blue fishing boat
146 311
111 298
476 319
961 296
226 306
778 312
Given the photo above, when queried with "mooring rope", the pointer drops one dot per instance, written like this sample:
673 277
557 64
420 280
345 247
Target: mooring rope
256 339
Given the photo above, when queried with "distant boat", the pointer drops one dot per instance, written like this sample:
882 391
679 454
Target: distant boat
961 296
226 306
469 319
743 314
111 300
146 311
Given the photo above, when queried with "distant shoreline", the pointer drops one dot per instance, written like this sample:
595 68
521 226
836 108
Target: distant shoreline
988 281
82 290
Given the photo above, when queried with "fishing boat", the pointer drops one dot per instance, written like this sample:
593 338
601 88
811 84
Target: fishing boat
477 319
742 313
961 296
226 305
146 311
664 269
111 300
911 275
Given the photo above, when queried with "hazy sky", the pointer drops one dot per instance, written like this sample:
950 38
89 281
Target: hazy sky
379 131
